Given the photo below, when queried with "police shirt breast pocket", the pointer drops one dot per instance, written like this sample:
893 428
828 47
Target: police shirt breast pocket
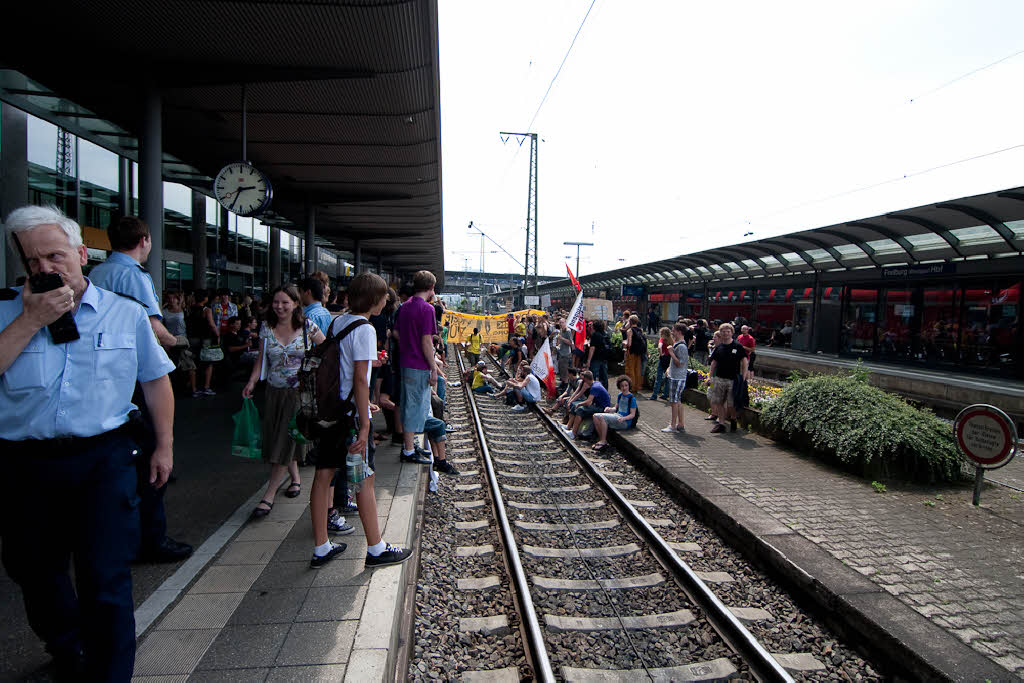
115 356
28 371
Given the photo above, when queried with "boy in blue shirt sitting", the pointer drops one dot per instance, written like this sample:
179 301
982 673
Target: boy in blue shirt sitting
621 417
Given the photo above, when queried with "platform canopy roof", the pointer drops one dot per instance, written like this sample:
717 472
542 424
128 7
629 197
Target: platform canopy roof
980 227
343 103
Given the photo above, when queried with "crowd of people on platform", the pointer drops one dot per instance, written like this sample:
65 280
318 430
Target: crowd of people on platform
87 402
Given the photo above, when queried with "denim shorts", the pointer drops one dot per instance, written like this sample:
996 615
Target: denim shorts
612 420
435 429
415 398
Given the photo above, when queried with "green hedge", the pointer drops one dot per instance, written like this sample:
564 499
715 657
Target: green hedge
879 434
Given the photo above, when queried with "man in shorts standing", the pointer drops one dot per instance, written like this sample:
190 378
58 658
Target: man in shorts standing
416 327
679 359
728 361
367 295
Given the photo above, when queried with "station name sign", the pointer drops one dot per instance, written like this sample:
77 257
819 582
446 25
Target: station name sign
919 270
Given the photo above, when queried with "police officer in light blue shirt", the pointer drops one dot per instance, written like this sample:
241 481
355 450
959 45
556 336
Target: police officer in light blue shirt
123 273
311 293
68 446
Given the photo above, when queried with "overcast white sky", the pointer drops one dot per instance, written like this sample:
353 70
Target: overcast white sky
676 126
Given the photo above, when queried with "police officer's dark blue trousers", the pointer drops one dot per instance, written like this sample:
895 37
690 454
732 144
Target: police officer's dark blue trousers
93 481
152 513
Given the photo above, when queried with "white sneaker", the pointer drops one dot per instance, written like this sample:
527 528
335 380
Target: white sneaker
669 430
571 436
518 409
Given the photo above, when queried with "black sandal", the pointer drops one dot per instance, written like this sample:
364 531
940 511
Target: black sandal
293 494
260 513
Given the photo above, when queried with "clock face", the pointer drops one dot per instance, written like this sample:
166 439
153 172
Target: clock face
242 189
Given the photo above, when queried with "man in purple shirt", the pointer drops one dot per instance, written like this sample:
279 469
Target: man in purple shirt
416 328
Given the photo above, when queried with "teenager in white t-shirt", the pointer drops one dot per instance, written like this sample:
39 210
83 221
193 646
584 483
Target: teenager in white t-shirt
367 295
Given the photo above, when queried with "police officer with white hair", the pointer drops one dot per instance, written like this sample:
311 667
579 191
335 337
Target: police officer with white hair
66 432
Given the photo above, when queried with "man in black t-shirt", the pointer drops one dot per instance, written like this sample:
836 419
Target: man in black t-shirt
700 341
728 362
597 356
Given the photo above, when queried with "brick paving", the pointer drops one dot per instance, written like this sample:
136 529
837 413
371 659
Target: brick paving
959 566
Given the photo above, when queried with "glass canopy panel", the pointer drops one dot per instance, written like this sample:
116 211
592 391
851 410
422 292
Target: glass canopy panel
927 240
734 267
819 255
793 258
771 261
849 250
717 269
885 246
1017 227
978 234
750 263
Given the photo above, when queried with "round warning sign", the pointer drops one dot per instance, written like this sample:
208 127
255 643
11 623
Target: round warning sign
986 435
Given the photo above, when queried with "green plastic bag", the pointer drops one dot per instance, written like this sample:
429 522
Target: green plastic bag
248 439
294 432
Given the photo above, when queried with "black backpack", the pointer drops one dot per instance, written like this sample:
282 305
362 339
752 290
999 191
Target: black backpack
638 345
321 407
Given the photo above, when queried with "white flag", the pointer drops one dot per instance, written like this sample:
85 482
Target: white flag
543 368
576 321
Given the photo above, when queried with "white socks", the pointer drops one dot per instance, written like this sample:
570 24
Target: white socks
377 549
322 550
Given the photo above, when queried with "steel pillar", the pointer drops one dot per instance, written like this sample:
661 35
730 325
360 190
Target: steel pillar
308 248
151 186
531 219
124 189
274 259
199 245
357 254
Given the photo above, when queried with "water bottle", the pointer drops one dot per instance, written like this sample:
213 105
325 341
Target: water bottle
354 465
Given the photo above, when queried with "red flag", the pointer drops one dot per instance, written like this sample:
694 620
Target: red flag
572 278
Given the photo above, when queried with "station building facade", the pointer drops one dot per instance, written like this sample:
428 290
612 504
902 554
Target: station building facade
935 286
93 185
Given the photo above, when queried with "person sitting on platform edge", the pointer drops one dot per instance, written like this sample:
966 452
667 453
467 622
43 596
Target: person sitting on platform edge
621 417
59 432
597 400
122 273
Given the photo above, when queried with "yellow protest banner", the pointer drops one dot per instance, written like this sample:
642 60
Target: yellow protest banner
493 328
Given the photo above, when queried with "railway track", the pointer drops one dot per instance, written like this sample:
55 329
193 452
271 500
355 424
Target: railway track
588 567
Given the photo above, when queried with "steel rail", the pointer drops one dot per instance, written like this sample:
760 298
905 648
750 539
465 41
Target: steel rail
536 650
762 665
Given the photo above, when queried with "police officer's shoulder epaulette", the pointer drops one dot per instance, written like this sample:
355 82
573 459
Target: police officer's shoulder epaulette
129 296
8 294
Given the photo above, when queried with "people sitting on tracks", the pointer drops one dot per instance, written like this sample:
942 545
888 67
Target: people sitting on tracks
483 380
522 389
515 352
622 416
597 399
571 386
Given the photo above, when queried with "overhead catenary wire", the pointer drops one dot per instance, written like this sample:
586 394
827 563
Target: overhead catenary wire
547 92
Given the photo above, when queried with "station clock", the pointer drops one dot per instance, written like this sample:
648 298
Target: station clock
243 189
